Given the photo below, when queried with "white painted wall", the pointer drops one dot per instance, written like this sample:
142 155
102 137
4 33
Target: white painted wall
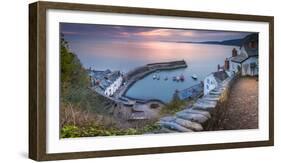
14 82
243 50
110 90
210 83
233 66
246 69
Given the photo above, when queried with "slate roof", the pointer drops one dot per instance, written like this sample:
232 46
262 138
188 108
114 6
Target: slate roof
220 76
251 52
106 78
251 38
239 58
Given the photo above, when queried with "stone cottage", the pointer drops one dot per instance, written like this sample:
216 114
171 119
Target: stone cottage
106 82
214 79
247 60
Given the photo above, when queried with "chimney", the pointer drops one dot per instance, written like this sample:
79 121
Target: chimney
226 64
234 52
219 67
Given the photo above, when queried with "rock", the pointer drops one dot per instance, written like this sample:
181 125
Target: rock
199 118
166 130
168 119
205 113
138 116
188 124
204 105
174 126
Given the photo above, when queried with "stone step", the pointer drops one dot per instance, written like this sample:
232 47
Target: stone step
188 124
219 89
168 119
174 126
166 130
204 105
215 93
210 98
199 118
190 110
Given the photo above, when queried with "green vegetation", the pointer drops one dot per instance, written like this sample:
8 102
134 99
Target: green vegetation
75 82
72 72
175 105
79 104
72 131
84 113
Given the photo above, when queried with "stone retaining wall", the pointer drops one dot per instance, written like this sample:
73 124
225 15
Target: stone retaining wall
205 114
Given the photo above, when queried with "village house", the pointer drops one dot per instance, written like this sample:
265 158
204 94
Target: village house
247 60
106 82
214 79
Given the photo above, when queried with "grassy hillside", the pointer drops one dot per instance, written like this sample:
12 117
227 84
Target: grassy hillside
79 105
84 113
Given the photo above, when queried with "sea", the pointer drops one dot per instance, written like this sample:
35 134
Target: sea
202 59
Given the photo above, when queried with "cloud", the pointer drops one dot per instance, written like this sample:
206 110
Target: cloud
156 32
94 32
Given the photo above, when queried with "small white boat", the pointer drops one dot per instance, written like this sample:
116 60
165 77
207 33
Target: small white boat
154 77
194 77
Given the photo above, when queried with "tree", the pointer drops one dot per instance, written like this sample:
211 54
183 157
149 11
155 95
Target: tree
72 72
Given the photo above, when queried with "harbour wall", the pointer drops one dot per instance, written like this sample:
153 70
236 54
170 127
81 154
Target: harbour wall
152 67
137 74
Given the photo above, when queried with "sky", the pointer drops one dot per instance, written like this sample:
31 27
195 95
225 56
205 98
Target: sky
107 33
109 45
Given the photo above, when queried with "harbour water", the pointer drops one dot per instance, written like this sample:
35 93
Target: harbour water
202 59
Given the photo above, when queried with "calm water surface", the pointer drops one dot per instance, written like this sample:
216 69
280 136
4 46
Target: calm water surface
202 59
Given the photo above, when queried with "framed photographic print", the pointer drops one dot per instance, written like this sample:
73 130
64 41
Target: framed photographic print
112 81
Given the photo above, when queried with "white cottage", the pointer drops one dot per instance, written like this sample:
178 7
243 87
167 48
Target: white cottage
213 80
107 82
247 60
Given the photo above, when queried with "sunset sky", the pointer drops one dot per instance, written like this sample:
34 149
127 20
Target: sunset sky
121 46
107 33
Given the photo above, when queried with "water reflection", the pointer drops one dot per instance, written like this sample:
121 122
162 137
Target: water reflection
202 59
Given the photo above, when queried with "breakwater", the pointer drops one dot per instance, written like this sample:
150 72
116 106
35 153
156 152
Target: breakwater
140 72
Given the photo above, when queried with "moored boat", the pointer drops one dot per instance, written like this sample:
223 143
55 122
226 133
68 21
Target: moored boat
194 77
182 77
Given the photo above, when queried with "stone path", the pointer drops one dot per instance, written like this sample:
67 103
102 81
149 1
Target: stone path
192 118
242 108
